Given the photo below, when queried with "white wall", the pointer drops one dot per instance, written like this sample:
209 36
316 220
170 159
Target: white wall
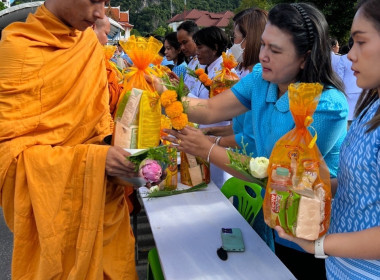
7 3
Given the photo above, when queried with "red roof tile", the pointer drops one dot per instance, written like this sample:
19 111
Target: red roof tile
121 17
204 18
116 12
124 16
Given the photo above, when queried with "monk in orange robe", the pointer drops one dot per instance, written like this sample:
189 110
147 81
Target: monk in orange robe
68 219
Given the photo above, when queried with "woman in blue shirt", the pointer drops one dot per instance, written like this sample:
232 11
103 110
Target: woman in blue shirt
173 53
294 47
353 239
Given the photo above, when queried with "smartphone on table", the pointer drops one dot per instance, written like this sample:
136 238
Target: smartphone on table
232 240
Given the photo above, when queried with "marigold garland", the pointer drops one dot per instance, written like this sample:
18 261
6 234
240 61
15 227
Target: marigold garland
174 110
201 75
168 97
180 122
208 83
203 78
199 71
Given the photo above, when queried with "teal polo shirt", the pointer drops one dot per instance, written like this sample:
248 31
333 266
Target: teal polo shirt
271 117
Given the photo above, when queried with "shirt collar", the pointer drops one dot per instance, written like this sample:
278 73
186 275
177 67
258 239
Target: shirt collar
282 103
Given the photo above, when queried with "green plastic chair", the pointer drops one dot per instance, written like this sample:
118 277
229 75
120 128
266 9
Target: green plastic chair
248 196
154 267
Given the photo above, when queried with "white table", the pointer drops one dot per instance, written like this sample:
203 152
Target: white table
186 229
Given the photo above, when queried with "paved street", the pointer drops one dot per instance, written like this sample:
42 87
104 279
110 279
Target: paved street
5 249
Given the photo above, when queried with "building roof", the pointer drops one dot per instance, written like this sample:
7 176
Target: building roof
121 17
204 18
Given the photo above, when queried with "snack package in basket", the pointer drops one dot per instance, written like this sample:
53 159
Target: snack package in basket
298 193
194 170
225 78
140 96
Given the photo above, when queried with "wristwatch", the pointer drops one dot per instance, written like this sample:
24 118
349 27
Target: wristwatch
318 247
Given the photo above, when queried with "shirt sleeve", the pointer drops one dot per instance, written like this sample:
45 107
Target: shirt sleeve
244 88
330 123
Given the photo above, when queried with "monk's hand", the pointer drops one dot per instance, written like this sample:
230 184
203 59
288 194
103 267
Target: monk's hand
117 163
307 245
189 140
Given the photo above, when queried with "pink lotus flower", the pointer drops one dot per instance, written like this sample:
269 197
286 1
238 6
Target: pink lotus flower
150 170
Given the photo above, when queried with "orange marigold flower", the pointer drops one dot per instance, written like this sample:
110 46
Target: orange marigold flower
203 78
168 97
174 110
199 71
208 83
180 122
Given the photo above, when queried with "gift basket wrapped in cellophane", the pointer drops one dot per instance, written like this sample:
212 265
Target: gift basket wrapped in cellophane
225 78
137 120
298 193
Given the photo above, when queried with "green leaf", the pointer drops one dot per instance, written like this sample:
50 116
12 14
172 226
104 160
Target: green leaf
175 192
160 154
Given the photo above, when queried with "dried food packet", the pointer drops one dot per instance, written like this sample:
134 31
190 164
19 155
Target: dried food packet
278 207
292 211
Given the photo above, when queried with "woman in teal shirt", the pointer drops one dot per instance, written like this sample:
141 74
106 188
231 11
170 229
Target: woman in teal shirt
294 48
352 242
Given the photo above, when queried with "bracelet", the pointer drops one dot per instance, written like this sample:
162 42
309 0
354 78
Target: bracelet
217 140
209 152
318 248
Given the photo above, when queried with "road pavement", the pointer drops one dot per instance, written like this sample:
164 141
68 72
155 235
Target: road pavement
6 241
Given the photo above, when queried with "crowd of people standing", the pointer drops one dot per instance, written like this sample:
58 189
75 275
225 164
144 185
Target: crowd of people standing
59 185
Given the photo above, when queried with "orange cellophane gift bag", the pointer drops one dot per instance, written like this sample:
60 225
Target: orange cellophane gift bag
298 193
225 78
142 52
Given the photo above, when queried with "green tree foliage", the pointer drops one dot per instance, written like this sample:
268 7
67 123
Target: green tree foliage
245 4
148 15
2 6
338 13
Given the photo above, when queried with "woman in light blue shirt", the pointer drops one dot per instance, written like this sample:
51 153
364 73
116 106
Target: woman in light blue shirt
173 53
294 48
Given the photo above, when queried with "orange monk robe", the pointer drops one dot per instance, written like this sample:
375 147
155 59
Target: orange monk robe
67 221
